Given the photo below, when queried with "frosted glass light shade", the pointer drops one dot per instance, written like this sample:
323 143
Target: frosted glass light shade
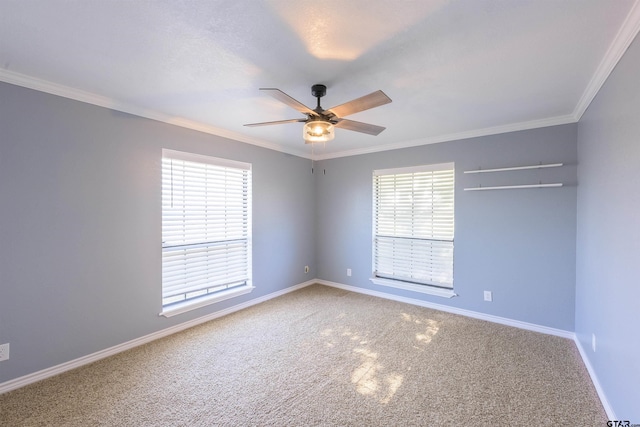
318 131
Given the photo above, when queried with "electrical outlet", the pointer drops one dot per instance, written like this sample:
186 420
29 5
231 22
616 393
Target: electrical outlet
349 272
4 352
488 296
306 269
593 342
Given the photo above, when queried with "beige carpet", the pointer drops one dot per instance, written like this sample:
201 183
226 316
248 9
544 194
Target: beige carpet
324 357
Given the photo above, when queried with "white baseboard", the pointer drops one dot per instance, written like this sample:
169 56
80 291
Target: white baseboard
468 313
67 366
496 319
90 358
594 379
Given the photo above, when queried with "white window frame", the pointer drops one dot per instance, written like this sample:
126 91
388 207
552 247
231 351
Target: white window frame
175 244
443 289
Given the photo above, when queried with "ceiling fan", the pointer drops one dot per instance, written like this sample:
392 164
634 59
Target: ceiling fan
320 123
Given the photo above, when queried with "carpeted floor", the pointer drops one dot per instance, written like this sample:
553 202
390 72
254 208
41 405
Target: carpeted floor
324 357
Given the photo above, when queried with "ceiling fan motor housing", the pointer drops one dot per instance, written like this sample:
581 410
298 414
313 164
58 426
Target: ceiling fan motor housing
318 90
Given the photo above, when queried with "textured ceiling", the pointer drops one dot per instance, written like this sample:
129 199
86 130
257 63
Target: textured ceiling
453 69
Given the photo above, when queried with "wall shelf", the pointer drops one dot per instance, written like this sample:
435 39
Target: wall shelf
509 187
550 165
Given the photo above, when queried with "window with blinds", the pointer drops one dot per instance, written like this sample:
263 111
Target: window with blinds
414 224
206 226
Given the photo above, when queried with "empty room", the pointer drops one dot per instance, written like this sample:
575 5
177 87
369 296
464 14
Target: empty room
338 213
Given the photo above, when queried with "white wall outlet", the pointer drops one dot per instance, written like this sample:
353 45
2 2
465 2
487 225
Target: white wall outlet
349 272
4 352
593 342
488 296
306 269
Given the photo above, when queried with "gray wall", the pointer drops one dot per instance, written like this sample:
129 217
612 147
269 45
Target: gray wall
608 236
80 266
80 227
520 244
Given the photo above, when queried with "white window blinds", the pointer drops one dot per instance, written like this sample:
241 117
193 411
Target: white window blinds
206 225
414 224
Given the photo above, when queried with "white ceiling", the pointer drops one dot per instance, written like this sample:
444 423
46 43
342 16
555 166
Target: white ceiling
453 69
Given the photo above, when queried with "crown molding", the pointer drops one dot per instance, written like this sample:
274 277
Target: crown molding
621 42
625 36
495 130
103 101
41 85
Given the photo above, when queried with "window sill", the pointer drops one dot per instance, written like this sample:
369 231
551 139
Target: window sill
183 307
423 289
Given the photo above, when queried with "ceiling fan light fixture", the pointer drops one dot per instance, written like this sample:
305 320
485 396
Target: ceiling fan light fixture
319 123
318 131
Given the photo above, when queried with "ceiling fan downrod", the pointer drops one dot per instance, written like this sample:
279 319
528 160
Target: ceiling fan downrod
318 91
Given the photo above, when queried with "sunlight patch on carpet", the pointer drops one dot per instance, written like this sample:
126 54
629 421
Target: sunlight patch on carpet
431 327
370 381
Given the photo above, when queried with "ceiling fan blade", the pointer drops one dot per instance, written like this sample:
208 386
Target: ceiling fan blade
278 122
374 99
359 126
286 99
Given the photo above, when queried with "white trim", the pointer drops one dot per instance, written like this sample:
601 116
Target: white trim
495 130
621 42
201 158
414 287
594 379
415 169
203 301
495 319
618 47
468 313
85 360
90 358
103 101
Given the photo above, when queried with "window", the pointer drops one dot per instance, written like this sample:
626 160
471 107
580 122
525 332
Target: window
413 228
206 230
